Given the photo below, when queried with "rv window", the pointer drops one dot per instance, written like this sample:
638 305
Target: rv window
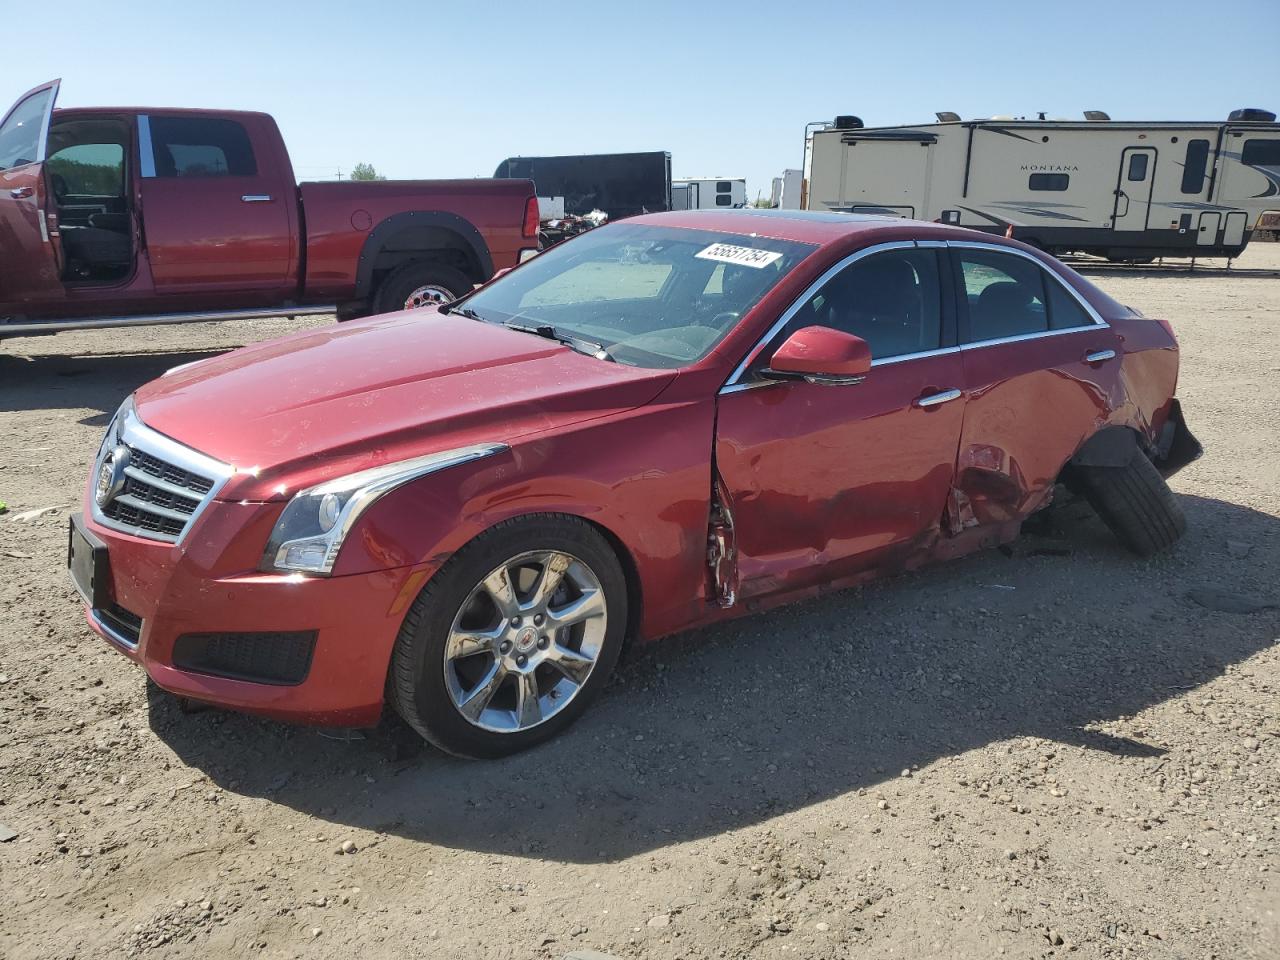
1261 153
1194 167
1048 181
724 200
201 147
724 186
1005 295
1065 312
1137 166
891 300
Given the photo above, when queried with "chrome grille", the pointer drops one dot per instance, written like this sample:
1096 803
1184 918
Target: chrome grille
158 486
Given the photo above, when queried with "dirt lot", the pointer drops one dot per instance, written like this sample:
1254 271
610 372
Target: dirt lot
1053 753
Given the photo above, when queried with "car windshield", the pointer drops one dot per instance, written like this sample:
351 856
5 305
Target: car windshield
648 296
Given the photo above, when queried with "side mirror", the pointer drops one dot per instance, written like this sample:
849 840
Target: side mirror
821 355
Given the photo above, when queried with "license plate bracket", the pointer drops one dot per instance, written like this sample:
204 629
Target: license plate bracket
89 564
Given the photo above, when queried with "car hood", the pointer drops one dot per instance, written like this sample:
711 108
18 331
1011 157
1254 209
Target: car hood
292 412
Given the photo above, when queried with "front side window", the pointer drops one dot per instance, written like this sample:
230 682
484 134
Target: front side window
201 147
1138 166
20 135
1004 293
891 300
651 296
88 170
1193 168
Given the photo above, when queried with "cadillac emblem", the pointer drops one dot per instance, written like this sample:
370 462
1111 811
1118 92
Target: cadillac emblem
111 476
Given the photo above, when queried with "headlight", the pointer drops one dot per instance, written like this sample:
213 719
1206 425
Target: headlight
310 532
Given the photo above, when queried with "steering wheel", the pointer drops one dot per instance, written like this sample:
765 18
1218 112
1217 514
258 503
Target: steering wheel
58 184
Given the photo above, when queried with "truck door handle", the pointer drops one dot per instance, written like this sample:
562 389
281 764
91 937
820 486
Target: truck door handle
256 198
1098 356
21 193
937 399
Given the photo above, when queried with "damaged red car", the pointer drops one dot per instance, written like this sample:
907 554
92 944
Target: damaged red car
465 511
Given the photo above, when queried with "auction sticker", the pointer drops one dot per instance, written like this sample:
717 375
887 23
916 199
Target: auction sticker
743 256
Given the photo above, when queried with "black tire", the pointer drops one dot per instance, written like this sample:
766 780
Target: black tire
1135 503
416 683
408 277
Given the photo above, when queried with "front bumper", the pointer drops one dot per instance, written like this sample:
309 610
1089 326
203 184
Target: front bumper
156 593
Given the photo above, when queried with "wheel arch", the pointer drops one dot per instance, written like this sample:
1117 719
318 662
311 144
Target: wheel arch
411 234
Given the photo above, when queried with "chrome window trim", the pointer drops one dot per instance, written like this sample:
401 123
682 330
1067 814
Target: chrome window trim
134 433
42 148
146 155
735 378
735 384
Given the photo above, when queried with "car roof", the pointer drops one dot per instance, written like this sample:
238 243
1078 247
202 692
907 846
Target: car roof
806 226
164 111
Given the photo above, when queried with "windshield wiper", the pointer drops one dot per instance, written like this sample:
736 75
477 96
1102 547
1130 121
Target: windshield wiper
548 332
463 312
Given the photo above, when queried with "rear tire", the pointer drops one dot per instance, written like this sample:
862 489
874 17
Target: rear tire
464 647
1135 503
401 283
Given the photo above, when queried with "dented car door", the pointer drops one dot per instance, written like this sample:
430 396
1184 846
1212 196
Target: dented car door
823 482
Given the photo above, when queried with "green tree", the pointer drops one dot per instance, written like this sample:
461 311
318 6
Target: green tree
365 171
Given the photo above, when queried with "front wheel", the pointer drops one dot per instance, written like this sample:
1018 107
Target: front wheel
512 639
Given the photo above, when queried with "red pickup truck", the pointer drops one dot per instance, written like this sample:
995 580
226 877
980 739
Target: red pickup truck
132 215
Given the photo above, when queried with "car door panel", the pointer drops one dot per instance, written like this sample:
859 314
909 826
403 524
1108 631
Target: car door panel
1033 394
30 259
226 227
825 482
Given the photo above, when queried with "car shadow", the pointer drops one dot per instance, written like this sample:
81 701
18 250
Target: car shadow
98 381
726 727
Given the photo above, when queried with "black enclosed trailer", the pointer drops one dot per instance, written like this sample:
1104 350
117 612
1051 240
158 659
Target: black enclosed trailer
620 184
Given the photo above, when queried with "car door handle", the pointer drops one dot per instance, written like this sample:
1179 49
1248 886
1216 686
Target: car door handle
21 193
256 198
937 399
1098 356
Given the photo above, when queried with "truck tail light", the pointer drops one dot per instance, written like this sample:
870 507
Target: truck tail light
530 217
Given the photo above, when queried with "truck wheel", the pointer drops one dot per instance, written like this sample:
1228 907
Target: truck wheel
512 638
420 283
1135 503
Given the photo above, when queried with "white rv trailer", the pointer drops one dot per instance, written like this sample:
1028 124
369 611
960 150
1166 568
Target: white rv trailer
708 193
1118 189
786 190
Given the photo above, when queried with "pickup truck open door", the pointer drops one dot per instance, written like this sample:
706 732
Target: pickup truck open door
31 268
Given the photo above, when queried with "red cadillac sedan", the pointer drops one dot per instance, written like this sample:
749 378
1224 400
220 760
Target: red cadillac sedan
464 511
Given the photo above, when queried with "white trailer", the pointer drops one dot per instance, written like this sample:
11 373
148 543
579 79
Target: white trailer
708 193
1121 190
787 190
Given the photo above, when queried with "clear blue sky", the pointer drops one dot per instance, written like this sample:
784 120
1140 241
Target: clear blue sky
441 89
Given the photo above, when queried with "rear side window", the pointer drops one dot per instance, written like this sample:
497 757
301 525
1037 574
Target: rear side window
1048 181
201 147
724 200
1261 153
1065 312
1005 295
1193 168
891 300
724 186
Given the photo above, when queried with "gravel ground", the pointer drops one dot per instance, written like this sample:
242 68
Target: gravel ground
1048 752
